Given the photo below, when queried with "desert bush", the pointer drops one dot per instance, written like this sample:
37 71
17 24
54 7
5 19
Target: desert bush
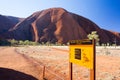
13 42
26 42
108 44
94 35
113 44
43 43
104 45
47 43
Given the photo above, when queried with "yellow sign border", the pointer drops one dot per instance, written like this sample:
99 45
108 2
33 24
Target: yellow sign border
87 53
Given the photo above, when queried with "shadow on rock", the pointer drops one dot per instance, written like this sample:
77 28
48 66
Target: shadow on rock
10 74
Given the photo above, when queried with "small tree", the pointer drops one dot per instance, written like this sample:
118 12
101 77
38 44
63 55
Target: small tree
95 36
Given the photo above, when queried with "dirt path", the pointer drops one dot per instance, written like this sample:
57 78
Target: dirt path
14 66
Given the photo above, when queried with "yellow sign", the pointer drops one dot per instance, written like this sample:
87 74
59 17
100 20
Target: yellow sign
81 53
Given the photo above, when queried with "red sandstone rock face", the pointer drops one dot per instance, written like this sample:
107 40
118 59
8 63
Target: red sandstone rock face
5 24
57 25
114 36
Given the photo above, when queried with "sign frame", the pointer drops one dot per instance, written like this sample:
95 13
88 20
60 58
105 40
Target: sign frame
84 43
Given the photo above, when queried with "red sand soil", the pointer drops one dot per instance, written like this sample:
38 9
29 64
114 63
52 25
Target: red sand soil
12 63
29 61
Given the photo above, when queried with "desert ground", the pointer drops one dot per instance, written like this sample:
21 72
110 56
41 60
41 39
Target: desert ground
52 63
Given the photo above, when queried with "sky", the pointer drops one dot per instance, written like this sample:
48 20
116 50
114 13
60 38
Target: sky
105 13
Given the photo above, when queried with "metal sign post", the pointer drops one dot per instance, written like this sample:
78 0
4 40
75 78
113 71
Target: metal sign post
82 52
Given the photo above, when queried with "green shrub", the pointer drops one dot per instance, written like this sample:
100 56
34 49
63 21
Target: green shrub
94 35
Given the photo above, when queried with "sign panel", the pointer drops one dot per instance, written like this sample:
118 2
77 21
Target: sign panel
81 53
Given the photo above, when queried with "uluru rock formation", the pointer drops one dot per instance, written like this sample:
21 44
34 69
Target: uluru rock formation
14 20
57 25
7 23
